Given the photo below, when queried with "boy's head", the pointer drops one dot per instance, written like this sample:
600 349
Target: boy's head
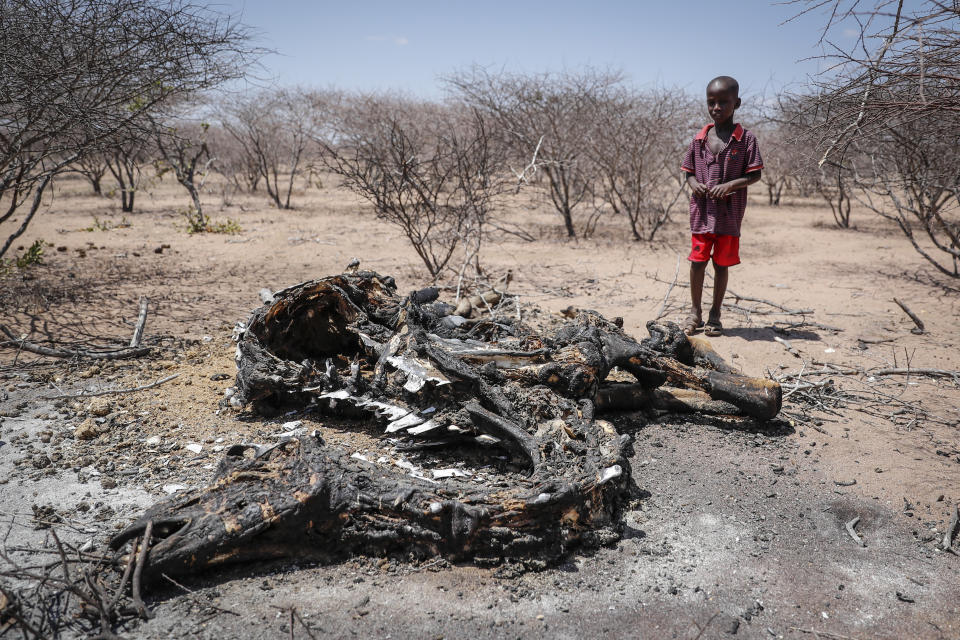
723 98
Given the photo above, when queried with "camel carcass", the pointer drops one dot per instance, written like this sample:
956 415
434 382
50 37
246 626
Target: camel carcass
504 415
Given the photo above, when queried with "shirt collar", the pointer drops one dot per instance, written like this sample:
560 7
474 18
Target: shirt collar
737 133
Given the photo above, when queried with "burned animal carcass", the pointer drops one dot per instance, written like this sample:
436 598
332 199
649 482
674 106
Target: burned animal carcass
505 415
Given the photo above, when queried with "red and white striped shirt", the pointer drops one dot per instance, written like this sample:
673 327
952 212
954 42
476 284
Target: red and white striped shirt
740 156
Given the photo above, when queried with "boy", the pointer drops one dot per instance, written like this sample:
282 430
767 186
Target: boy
722 161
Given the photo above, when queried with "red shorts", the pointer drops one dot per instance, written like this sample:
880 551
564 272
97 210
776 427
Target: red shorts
724 249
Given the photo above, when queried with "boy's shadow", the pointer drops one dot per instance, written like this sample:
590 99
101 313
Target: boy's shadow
767 334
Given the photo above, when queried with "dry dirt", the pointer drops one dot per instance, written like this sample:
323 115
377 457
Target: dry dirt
738 531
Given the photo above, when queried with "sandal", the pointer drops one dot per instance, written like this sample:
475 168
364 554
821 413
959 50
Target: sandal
691 325
713 328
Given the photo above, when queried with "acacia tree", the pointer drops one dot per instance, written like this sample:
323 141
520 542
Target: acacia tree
636 146
233 163
273 130
432 170
894 100
546 117
125 163
81 75
93 167
183 150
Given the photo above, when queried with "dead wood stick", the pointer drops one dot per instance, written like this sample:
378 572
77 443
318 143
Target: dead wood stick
786 345
141 322
108 392
916 320
127 572
115 354
946 543
770 312
853 534
138 571
63 556
676 274
825 634
908 371
782 308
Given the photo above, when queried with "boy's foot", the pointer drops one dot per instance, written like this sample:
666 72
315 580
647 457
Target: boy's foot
713 328
692 324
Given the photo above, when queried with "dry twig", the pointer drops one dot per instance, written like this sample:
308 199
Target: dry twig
108 392
112 354
851 529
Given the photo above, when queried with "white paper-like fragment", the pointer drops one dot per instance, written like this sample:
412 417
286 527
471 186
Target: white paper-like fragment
173 488
290 426
429 425
405 464
339 394
193 446
449 473
409 420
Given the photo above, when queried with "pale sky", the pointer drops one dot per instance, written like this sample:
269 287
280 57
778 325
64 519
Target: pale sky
408 44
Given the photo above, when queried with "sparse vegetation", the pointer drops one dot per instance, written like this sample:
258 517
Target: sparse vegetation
203 224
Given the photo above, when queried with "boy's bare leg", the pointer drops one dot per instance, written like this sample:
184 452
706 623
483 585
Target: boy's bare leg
720 277
697 272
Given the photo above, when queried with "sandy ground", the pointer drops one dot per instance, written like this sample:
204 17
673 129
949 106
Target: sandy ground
738 530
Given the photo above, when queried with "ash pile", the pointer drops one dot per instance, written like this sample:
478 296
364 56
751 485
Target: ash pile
513 460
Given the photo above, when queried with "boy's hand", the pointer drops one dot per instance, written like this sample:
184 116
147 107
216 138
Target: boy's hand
721 191
699 189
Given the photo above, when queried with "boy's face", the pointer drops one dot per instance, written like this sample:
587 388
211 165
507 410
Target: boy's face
721 103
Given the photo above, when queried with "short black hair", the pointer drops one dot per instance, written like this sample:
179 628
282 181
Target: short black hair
725 83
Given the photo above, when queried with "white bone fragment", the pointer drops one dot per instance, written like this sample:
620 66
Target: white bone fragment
609 474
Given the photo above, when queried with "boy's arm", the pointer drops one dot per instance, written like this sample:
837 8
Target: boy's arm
723 190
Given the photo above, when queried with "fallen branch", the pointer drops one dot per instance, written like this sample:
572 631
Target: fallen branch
779 307
786 345
908 371
853 534
114 391
141 322
676 274
946 543
916 320
114 354
825 634
138 571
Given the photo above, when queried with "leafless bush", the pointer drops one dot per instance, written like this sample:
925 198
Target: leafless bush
432 170
239 169
182 149
81 74
273 129
125 162
917 186
636 146
548 121
894 101
93 167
